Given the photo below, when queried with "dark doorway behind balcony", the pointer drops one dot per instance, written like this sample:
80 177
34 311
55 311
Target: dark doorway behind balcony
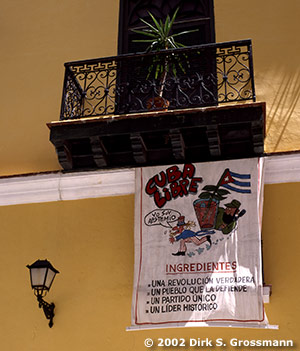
192 15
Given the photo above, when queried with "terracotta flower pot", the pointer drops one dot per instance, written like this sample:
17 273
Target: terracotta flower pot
206 212
158 103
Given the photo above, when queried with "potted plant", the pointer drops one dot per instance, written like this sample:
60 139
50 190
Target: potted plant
160 37
206 207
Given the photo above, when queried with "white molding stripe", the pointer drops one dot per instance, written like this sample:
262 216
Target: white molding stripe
65 186
83 185
282 169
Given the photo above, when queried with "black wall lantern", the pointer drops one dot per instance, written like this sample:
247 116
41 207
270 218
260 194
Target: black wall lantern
42 274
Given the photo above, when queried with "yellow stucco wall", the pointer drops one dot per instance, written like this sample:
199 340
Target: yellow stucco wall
274 27
37 37
91 243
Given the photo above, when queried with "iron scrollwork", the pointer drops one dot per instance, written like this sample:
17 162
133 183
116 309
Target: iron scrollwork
200 76
234 74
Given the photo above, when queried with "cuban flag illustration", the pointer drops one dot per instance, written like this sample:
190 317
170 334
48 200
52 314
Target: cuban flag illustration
236 182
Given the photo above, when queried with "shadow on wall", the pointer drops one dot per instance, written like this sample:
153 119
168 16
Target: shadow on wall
283 112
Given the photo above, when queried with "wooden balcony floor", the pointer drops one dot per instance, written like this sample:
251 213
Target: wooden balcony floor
164 137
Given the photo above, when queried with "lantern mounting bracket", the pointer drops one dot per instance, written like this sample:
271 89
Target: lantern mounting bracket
48 309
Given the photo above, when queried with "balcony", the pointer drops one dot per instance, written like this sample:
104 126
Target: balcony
109 116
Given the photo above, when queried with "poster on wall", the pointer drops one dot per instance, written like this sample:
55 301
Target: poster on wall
198 245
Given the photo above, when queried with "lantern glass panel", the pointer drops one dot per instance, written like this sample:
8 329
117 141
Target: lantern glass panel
38 276
49 279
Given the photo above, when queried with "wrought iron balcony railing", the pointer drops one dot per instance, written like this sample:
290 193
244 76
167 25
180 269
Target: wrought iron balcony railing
196 76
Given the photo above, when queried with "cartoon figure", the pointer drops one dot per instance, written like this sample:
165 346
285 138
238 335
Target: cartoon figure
208 212
226 219
184 235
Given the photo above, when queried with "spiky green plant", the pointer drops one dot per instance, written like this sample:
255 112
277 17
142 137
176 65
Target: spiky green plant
212 192
160 38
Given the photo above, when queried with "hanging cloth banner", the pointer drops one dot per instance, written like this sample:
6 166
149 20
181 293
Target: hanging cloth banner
198 245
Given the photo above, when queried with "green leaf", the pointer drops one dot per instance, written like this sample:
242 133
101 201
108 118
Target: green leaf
167 26
150 47
173 18
185 32
142 41
219 197
150 26
161 25
210 187
181 67
172 43
157 71
223 192
145 32
158 26
205 195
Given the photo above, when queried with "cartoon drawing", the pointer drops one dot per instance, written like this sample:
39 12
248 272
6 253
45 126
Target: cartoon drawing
226 219
210 215
183 233
207 206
